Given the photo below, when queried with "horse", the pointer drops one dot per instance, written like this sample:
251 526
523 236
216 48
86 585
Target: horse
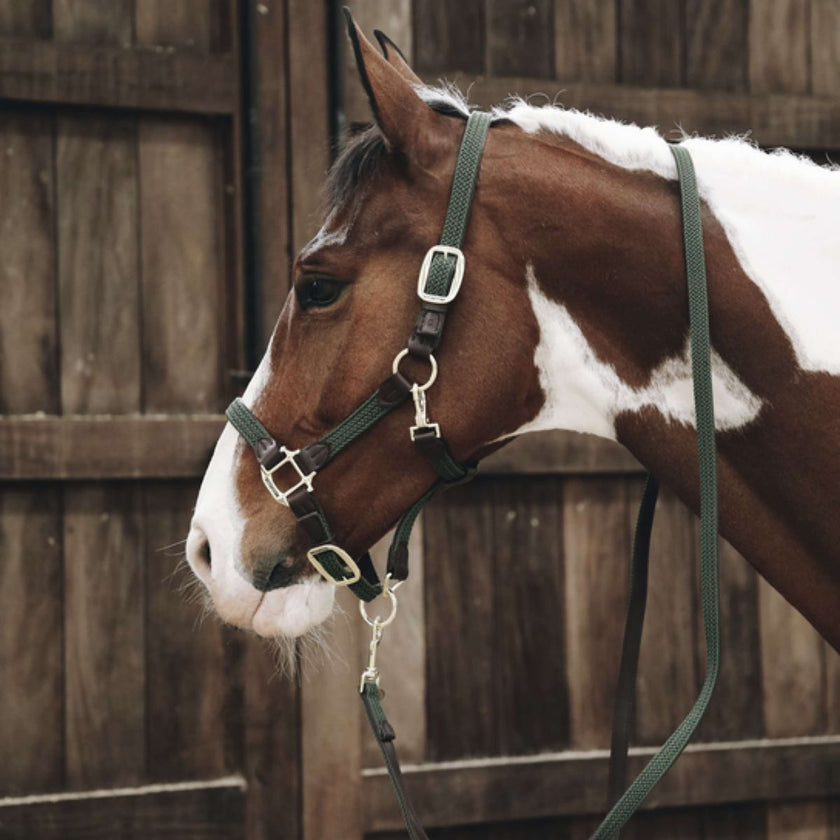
572 315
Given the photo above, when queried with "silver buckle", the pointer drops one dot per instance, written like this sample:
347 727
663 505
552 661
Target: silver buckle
348 561
277 494
426 266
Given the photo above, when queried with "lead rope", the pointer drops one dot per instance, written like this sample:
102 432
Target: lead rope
631 800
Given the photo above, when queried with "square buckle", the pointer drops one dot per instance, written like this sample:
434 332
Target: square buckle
426 266
277 494
345 558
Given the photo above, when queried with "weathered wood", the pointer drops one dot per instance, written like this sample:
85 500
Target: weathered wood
210 811
652 41
460 583
802 820
716 44
192 662
596 540
561 452
778 46
825 47
26 19
28 335
182 262
83 22
97 264
571 783
529 667
104 611
194 24
586 40
449 34
805 122
32 641
114 77
520 36
88 447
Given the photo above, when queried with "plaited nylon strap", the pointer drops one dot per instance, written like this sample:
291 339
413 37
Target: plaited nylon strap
247 424
698 306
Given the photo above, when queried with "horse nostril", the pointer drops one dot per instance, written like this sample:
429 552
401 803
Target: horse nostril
204 552
274 574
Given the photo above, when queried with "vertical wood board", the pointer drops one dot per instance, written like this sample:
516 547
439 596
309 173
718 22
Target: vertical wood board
586 40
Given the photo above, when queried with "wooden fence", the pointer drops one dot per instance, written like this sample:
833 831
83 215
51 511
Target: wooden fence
121 320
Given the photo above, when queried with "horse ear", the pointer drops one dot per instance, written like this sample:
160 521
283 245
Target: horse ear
394 56
402 116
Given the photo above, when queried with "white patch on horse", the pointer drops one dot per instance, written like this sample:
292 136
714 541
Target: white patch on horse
584 394
326 237
777 209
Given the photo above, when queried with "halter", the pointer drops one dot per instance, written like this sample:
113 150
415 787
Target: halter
441 275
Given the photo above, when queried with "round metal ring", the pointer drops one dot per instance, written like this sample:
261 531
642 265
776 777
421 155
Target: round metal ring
432 361
376 620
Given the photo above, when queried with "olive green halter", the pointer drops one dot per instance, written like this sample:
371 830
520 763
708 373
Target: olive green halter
440 278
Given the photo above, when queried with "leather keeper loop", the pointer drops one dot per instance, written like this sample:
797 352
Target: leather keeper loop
268 452
394 389
398 561
312 457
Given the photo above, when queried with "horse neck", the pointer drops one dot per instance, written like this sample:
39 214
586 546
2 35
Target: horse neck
607 284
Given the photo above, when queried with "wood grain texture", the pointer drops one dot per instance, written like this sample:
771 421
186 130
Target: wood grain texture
825 47
520 37
192 24
717 44
799 820
586 40
668 675
83 22
652 42
28 337
529 660
460 582
779 46
32 641
26 19
105 648
109 446
182 265
193 668
449 35
114 77
214 812
573 783
596 543
97 264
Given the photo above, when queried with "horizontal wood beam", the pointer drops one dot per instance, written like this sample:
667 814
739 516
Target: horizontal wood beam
107 447
162 79
574 783
214 810
804 122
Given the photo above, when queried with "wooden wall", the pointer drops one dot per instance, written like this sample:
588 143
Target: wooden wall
121 321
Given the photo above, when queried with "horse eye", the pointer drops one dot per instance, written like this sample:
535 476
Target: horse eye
318 292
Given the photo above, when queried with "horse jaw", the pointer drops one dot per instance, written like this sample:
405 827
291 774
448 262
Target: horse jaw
218 518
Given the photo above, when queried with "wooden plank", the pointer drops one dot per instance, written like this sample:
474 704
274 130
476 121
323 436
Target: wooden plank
716 44
91 447
211 811
182 265
32 642
520 37
779 37
28 337
83 22
652 42
194 24
529 634
104 607
460 582
586 40
114 77
193 670
596 538
449 35
825 47
97 264
573 783
559 452
26 19
402 659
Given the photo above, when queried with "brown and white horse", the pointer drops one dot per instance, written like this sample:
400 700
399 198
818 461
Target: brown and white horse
573 315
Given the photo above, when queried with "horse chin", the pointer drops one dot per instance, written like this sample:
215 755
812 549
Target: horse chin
294 610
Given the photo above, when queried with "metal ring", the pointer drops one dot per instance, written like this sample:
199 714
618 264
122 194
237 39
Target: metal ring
376 620
432 361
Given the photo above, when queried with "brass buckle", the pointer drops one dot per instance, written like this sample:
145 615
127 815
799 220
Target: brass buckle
277 494
345 558
454 287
